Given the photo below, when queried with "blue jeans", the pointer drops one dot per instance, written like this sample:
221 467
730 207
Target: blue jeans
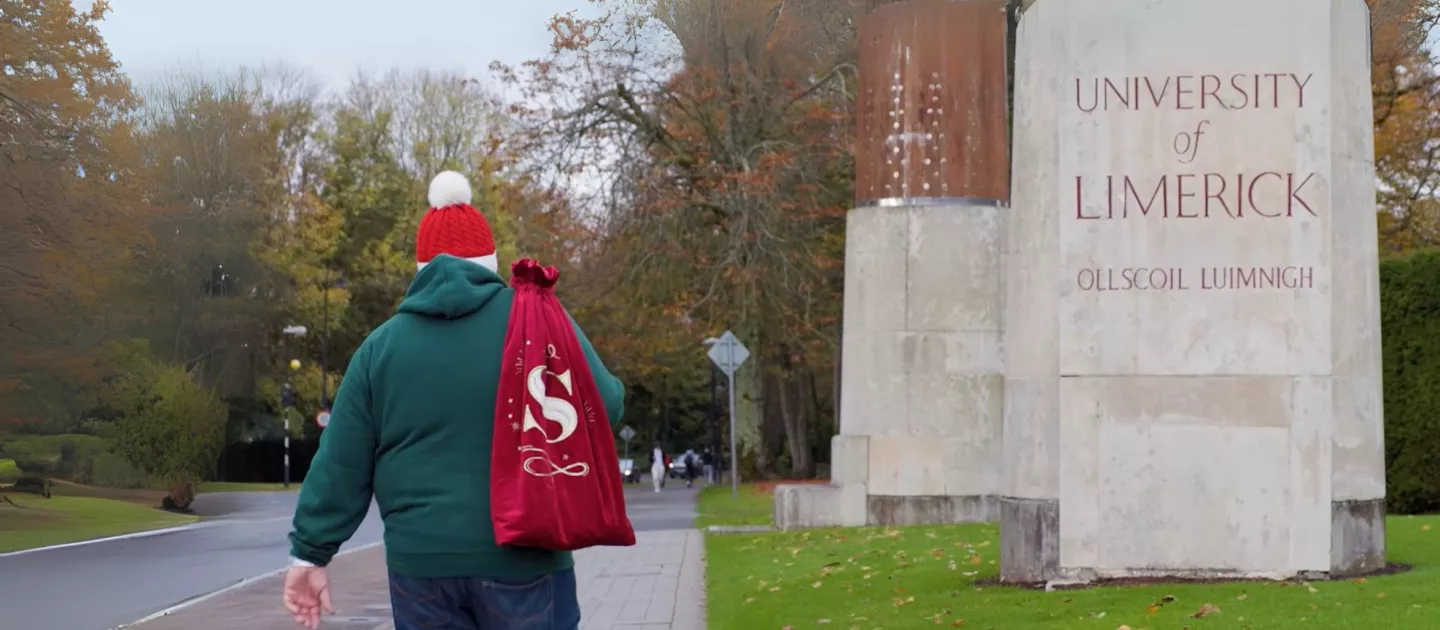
546 603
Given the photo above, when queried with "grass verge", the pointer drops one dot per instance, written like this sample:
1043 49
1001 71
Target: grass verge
924 577
230 486
716 506
37 522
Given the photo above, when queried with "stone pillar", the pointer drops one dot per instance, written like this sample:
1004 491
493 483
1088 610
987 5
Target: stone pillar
1192 309
922 371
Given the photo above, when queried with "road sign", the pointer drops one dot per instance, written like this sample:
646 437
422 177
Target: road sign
323 419
627 433
728 353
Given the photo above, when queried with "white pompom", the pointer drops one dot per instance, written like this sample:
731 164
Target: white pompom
449 189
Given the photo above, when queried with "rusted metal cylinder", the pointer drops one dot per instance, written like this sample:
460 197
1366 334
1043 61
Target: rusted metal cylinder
933 106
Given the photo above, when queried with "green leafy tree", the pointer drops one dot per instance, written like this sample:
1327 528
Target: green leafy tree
169 426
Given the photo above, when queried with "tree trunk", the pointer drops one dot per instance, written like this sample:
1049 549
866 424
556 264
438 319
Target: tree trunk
749 396
800 451
793 402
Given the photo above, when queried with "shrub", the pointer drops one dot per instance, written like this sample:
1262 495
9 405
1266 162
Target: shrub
182 494
172 429
1410 321
32 485
67 456
8 470
112 471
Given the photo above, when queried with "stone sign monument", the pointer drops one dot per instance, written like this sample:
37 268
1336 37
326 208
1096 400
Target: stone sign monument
922 371
1192 331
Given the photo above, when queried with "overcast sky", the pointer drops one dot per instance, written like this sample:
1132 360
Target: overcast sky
333 38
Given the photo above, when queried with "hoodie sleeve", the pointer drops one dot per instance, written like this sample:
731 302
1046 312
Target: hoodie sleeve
612 391
336 493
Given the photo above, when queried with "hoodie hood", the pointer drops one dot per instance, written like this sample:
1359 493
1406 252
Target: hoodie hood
451 288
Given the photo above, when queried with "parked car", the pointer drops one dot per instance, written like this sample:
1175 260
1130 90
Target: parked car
628 472
677 467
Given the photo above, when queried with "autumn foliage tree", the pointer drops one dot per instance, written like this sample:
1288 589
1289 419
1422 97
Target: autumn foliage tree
66 187
726 175
1406 96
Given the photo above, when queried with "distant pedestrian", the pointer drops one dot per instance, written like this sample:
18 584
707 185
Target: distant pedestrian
657 467
708 462
412 427
691 462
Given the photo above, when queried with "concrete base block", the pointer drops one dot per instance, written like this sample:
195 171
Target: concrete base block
850 458
1357 537
1029 540
835 505
931 510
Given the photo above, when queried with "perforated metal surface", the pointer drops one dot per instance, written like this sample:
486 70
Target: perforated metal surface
933 105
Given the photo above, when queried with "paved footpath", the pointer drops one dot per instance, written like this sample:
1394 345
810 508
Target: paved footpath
659 584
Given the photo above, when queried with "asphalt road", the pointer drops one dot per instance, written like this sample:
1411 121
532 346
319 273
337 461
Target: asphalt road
104 585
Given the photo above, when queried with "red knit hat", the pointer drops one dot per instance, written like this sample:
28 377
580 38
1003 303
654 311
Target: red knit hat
452 226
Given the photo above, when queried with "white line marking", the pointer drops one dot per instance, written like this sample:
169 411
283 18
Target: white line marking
233 587
154 532
147 534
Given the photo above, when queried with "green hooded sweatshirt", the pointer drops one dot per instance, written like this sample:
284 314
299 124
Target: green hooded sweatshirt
412 425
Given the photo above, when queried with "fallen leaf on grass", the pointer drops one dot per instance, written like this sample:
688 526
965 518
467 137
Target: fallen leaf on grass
1123 628
1313 589
1425 528
957 623
1155 607
817 585
1207 609
1380 596
974 559
1242 597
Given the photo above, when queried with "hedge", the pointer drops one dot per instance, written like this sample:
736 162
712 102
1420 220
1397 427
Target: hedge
1410 327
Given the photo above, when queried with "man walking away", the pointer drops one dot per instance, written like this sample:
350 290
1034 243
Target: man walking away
413 422
657 466
692 467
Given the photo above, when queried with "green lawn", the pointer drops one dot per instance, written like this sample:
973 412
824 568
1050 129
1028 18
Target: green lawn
227 486
9 472
924 577
39 522
717 506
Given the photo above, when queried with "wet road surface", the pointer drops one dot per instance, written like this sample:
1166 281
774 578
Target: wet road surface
104 585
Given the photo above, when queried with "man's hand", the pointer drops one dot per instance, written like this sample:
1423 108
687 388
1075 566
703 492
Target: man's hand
307 595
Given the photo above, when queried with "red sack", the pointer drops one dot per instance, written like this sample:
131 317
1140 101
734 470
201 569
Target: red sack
554 475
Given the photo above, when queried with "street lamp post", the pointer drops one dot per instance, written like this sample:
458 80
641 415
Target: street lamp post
338 283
